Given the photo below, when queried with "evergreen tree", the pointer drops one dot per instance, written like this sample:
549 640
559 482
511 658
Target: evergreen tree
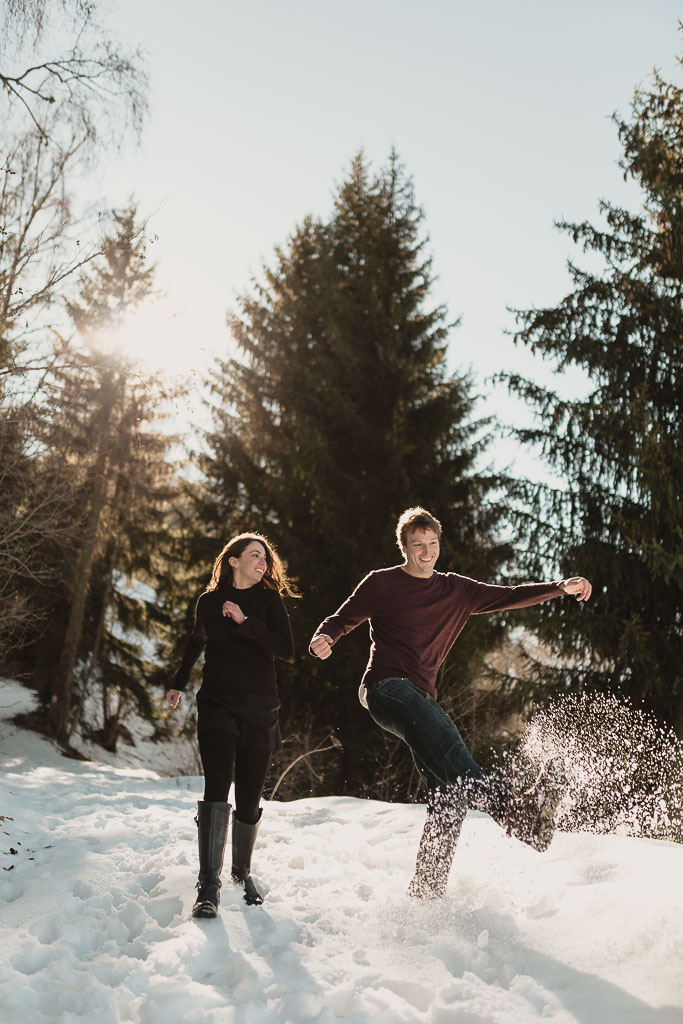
616 516
38 257
102 425
341 414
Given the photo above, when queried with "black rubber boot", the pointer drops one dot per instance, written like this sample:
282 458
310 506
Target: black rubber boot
445 814
243 839
212 830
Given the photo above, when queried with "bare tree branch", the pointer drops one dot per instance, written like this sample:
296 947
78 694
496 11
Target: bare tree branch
38 250
81 81
333 744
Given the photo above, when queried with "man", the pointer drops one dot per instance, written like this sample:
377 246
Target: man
415 615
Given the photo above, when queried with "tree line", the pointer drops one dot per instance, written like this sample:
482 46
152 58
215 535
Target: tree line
335 412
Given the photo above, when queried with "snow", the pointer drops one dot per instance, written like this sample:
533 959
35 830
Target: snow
95 923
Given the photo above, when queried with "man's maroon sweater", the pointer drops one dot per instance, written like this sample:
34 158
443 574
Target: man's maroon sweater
414 622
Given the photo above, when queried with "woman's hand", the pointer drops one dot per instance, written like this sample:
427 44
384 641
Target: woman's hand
234 612
579 586
173 696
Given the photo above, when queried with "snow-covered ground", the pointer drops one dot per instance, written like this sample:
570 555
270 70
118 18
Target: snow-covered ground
95 925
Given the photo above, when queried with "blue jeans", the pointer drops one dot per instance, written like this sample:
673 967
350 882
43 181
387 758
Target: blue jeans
441 757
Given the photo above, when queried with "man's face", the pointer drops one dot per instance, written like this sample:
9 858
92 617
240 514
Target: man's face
421 552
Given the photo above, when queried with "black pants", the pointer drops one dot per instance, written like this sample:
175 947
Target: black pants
227 758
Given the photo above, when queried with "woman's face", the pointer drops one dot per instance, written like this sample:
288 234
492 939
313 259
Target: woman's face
249 568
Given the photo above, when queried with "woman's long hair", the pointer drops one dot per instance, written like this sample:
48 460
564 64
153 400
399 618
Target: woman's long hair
275 577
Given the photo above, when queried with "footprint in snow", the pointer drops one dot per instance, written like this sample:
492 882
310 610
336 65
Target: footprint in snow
597 873
417 995
134 918
82 890
547 906
46 930
148 882
165 909
32 958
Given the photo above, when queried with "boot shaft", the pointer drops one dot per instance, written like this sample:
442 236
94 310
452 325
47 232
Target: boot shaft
243 840
531 815
212 830
445 816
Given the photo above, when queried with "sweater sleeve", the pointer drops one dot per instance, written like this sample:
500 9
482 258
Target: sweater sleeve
275 634
193 648
487 598
356 609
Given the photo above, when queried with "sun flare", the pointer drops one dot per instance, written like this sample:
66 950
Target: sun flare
156 338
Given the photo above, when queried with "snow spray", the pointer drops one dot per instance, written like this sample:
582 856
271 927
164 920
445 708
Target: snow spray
624 769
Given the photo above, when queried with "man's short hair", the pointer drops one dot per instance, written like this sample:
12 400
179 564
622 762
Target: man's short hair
415 519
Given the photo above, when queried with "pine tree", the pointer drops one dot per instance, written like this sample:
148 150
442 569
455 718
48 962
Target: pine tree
341 414
103 424
39 256
615 515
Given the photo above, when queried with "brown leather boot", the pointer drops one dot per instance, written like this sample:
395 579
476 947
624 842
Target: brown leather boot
531 816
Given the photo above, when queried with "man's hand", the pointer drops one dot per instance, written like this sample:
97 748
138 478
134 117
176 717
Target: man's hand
579 586
233 611
173 696
321 646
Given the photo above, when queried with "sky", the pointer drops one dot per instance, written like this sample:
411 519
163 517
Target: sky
100 859
499 112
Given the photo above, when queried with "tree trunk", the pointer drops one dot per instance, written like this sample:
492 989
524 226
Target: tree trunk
62 691
94 655
678 723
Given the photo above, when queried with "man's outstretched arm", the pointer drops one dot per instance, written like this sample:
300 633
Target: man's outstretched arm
486 597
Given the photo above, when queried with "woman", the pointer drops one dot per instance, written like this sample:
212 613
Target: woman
242 623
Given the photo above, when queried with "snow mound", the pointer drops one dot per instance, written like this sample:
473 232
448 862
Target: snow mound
99 864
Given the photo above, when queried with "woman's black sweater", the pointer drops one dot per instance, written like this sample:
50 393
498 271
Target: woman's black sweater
239 662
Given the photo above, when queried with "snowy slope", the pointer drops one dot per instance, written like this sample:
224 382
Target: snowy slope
95 926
